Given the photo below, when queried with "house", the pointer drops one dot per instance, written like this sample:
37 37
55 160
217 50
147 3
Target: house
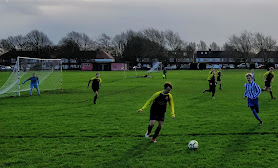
100 60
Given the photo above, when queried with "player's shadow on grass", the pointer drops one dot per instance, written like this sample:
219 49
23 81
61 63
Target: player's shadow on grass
134 153
237 145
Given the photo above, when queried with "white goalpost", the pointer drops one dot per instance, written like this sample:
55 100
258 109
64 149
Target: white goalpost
49 72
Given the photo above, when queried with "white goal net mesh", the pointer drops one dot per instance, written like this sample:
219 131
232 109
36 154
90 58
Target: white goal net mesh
48 72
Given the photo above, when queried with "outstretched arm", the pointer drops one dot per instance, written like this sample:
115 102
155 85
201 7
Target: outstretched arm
89 83
171 105
26 80
149 102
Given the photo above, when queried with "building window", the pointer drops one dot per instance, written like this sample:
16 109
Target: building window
206 53
201 52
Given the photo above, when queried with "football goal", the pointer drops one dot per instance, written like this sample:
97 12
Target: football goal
49 72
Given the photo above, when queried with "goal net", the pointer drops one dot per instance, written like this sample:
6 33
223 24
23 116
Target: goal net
48 71
156 67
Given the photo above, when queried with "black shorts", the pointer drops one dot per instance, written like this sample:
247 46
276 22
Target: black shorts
267 84
212 88
95 89
157 117
218 79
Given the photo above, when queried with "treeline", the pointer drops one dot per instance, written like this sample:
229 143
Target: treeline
131 45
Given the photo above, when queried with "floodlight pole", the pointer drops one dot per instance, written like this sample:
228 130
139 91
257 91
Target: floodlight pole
18 76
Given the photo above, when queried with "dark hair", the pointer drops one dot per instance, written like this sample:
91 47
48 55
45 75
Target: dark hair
168 84
97 73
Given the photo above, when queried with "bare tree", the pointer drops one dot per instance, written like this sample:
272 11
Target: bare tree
214 47
104 42
243 44
120 41
36 40
87 43
83 41
263 45
6 45
202 46
191 49
154 35
173 40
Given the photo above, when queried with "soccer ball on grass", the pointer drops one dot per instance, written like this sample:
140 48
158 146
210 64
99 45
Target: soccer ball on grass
193 144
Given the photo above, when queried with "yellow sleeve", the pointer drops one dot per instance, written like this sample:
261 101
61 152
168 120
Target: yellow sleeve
150 100
100 80
210 76
210 72
92 78
171 105
265 75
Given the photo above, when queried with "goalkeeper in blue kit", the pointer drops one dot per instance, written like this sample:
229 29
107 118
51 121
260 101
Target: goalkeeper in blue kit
34 83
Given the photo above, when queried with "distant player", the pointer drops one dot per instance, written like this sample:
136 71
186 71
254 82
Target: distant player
164 73
252 92
157 113
96 82
34 83
212 83
268 79
219 74
253 74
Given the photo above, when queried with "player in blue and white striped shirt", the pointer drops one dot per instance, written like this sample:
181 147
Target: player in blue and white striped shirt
252 92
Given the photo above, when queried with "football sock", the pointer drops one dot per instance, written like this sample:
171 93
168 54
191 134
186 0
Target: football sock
212 94
31 91
38 91
271 94
157 132
257 109
95 99
220 86
256 115
150 129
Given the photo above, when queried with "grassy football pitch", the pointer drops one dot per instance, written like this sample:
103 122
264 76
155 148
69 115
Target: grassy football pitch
65 129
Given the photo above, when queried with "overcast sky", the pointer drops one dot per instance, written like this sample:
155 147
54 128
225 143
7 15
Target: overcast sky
194 20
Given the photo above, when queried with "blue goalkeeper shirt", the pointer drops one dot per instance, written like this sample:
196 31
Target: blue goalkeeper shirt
34 80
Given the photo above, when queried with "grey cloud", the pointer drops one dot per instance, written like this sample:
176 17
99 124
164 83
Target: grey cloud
210 20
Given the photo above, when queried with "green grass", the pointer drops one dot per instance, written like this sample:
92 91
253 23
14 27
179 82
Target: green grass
65 129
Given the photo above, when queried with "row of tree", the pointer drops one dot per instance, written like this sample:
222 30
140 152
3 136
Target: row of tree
129 45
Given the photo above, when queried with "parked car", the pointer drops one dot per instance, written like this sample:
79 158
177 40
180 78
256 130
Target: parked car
171 67
261 66
6 68
225 66
243 65
228 66
136 67
185 66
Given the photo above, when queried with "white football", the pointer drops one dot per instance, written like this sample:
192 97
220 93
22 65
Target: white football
193 144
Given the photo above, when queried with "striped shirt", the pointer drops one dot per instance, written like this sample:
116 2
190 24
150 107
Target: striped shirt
252 90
